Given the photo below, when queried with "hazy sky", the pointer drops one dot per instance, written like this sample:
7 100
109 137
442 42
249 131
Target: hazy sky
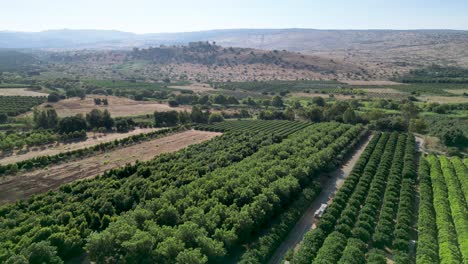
144 16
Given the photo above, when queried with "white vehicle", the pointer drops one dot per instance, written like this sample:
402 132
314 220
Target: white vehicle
320 211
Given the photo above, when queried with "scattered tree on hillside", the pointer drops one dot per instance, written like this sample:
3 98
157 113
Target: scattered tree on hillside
47 118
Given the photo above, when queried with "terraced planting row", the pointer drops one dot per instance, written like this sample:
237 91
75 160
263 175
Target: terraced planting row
443 214
279 127
369 219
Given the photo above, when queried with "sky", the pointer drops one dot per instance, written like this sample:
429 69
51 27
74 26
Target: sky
154 16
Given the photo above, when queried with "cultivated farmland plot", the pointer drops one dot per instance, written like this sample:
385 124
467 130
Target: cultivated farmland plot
210 199
362 220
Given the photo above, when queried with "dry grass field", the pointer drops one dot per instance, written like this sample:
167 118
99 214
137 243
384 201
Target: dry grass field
23 185
20 92
457 91
118 106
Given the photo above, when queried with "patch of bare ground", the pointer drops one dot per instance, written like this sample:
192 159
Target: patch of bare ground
118 106
23 185
375 82
457 91
331 183
443 99
240 72
53 149
336 96
195 87
20 92
382 90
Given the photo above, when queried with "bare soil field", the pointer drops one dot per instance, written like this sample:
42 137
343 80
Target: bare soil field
118 106
331 183
53 149
382 90
20 92
21 186
363 83
195 87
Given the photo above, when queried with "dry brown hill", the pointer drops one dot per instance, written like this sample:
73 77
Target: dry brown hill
207 62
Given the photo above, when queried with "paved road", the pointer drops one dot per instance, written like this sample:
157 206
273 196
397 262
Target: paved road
330 182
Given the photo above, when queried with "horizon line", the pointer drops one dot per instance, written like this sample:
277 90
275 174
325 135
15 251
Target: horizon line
233 29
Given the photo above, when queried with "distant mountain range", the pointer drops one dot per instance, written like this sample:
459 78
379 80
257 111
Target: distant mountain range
304 40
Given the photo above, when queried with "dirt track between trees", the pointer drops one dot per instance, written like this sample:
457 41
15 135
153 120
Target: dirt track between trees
330 182
23 185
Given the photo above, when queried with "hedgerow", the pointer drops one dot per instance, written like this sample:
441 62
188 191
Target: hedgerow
427 246
447 236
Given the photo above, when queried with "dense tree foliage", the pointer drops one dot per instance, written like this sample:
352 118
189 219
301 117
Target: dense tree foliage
46 118
223 208
97 119
427 247
71 124
67 217
15 105
367 163
53 97
281 128
10 141
462 174
382 177
458 205
166 119
449 251
261 248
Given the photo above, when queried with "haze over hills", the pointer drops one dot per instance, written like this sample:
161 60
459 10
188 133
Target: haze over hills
302 40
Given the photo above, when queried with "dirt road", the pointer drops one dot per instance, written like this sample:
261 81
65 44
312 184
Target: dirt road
330 182
21 186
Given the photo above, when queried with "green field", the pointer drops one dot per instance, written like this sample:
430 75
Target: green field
279 127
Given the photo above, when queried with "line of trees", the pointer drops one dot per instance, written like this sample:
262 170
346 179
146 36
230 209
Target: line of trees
197 115
43 161
10 141
458 205
427 251
383 235
356 182
462 174
405 216
352 222
447 236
